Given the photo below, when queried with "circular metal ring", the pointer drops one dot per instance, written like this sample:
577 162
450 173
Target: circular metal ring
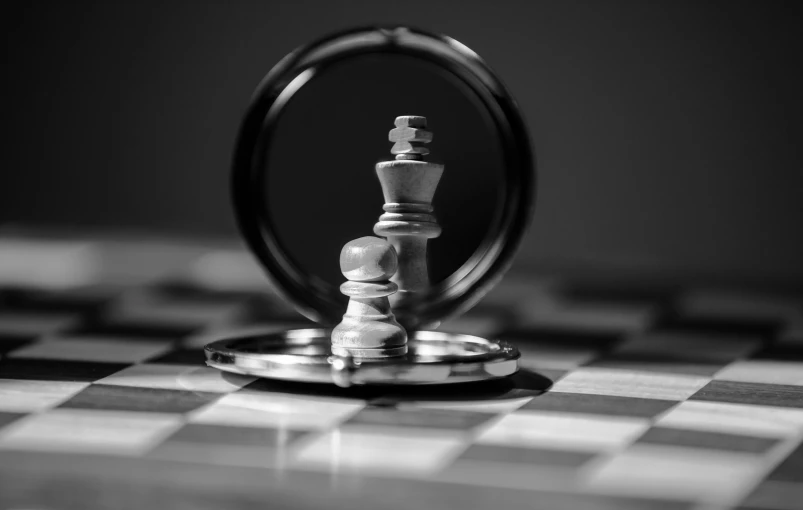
477 276
304 355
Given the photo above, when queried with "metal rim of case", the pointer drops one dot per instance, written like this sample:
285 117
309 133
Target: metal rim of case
304 355
483 270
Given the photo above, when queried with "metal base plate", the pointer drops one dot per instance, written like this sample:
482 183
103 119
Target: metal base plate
304 355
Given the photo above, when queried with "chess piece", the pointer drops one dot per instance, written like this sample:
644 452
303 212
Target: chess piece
369 329
408 184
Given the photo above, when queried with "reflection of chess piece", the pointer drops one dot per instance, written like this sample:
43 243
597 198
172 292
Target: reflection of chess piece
368 329
408 184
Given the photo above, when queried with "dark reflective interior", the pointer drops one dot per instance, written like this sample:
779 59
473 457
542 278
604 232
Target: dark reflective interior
321 187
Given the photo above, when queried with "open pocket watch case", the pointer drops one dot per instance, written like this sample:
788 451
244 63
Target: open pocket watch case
281 197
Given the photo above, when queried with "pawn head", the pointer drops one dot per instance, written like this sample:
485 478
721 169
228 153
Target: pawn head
368 259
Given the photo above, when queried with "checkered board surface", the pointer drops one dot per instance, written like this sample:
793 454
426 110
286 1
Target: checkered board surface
631 395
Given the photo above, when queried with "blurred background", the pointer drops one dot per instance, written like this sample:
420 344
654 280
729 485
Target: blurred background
667 134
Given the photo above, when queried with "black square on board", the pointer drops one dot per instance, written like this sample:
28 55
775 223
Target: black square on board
734 392
57 370
130 398
605 405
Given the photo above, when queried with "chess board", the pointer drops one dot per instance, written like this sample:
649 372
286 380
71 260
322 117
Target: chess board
633 394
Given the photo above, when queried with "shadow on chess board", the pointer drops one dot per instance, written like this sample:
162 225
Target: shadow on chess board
525 383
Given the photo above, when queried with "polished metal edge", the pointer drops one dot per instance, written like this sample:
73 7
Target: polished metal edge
304 355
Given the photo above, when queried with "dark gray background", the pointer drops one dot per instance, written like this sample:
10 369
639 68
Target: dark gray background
668 134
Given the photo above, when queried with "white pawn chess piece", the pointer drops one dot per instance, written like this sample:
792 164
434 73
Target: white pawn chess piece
369 328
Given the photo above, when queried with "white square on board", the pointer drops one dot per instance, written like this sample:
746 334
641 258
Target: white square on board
360 451
257 409
760 421
28 396
542 429
763 371
676 473
89 431
627 383
177 377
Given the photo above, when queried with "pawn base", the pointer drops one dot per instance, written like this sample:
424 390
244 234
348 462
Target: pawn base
305 355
